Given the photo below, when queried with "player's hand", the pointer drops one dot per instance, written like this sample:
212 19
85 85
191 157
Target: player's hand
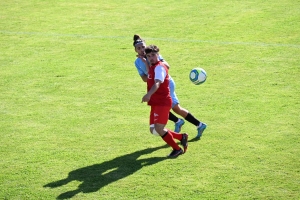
142 58
146 98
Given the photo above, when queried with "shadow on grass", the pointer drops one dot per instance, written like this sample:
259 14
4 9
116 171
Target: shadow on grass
96 176
194 139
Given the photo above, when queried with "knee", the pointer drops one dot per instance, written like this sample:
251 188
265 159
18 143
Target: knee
153 131
159 129
177 108
180 111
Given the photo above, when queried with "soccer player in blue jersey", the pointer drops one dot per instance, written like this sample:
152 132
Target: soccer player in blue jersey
142 66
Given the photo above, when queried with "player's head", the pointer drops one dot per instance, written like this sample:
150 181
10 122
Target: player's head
152 53
139 45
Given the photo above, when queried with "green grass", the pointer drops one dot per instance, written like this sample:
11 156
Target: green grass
71 121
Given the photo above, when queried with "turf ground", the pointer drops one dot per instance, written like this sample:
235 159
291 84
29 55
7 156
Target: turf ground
71 121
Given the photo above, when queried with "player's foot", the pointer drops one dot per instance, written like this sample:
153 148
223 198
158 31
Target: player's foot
200 130
178 125
175 153
184 141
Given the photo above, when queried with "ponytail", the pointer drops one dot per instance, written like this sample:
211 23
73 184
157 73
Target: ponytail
137 40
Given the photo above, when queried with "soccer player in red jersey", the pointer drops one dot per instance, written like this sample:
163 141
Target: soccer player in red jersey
142 66
159 98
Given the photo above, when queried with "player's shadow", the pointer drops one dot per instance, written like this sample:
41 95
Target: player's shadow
96 176
195 139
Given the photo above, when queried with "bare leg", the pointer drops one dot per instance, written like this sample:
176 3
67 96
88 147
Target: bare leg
180 111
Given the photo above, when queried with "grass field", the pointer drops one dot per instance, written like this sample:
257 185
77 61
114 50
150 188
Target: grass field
71 119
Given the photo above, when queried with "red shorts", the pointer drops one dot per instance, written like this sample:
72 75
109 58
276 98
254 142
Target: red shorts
159 114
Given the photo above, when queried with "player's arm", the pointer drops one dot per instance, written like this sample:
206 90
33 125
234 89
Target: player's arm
141 70
154 87
145 62
147 65
166 63
160 75
152 90
144 77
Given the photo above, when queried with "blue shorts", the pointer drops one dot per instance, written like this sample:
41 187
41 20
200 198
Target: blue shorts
172 85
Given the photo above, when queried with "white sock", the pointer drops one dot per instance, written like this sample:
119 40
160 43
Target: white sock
199 125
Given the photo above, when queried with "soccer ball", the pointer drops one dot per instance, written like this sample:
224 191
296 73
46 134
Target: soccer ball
198 76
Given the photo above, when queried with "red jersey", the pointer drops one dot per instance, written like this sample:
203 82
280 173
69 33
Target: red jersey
162 95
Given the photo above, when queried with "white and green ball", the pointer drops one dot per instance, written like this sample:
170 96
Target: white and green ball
198 76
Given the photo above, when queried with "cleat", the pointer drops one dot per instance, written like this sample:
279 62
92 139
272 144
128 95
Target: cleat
200 130
184 141
175 153
178 125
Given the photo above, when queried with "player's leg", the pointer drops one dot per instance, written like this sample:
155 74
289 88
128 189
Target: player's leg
173 117
190 118
179 122
160 120
180 111
183 138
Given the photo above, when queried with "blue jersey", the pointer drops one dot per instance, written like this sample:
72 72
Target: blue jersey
142 70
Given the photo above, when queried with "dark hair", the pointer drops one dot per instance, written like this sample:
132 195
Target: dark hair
151 49
137 39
